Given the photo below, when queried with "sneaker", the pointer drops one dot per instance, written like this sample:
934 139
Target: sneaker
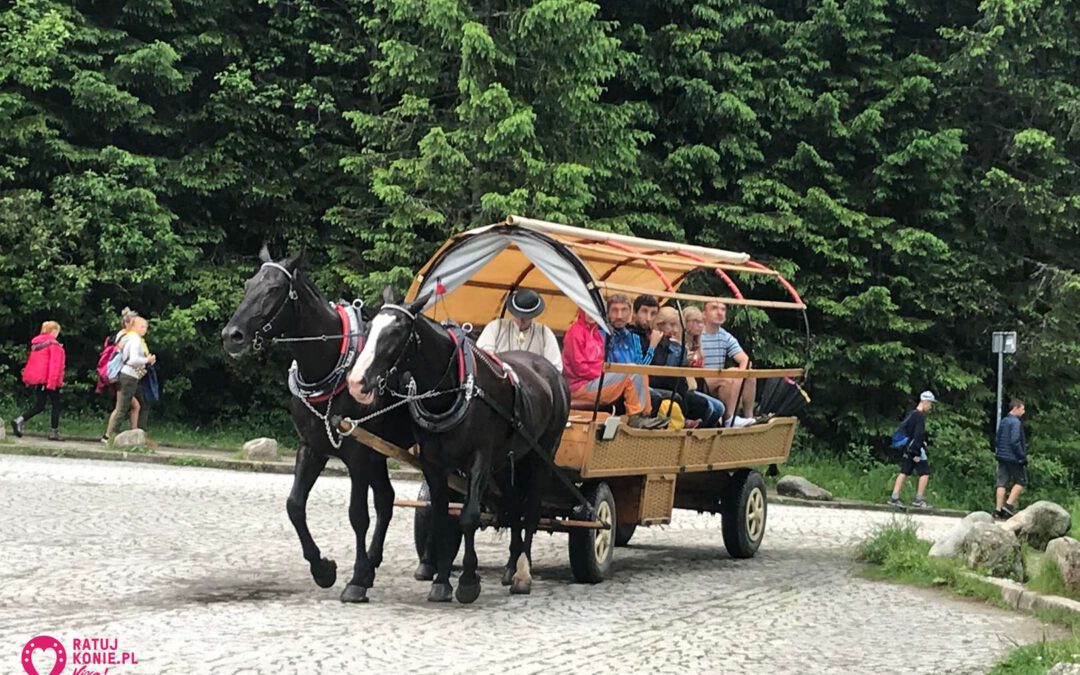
920 504
54 435
17 427
104 440
1008 511
999 515
692 424
894 501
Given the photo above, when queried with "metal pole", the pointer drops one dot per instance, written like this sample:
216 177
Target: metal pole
1001 363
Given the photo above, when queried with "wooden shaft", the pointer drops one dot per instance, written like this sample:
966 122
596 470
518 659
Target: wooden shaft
676 371
634 290
545 523
456 483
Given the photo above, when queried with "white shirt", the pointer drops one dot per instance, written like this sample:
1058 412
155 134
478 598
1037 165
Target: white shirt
503 336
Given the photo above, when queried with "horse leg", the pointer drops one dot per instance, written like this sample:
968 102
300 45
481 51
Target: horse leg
384 505
534 487
439 539
511 508
308 468
363 572
469 583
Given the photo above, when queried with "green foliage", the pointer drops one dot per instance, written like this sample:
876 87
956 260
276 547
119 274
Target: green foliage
912 168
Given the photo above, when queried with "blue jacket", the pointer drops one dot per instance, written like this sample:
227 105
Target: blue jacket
1011 443
626 348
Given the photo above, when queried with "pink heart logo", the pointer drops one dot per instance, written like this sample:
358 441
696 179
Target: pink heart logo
44 642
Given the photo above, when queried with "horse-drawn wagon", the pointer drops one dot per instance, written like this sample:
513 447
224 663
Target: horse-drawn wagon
613 478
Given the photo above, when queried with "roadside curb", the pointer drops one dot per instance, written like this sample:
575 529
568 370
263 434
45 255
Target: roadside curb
177 457
774 498
181 459
1015 596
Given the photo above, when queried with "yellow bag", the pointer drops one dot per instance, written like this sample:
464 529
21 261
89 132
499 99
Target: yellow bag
673 412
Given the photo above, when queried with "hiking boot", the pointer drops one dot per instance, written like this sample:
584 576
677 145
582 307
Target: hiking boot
54 435
920 504
643 422
895 501
17 426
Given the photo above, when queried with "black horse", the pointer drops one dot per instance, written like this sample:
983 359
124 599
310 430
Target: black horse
281 302
472 414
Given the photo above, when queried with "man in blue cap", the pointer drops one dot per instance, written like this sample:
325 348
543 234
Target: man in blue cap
914 459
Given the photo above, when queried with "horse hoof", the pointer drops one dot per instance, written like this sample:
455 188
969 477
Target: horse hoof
508 576
354 593
424 572
440 593
519 587
468 593
324 572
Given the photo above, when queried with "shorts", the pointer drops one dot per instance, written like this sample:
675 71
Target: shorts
1011 473
909 466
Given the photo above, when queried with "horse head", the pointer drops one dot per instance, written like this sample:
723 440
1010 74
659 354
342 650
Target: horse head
268 303
389 338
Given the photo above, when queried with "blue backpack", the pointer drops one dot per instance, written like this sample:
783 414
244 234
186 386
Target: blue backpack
899 438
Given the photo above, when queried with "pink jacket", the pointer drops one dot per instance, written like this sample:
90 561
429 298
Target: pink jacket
45 365
583 353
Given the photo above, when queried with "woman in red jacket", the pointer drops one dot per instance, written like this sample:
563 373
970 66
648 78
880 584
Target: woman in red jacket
45 371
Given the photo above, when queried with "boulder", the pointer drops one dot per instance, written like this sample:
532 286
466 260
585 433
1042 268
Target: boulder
947 546
1065 669
1065 552
261 450
797 486
994 549
1039 523
129 438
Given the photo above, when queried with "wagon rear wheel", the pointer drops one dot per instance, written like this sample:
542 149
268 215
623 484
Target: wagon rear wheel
591 551
422 520
744 508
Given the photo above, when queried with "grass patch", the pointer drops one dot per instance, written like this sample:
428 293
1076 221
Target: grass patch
899 555
1046 577
866 484
189 461
1074 511
166 432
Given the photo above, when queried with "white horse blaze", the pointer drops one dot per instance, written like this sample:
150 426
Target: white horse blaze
367 354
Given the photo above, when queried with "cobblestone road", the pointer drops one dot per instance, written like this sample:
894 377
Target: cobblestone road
198 571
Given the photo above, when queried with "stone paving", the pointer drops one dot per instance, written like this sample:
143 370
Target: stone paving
199 571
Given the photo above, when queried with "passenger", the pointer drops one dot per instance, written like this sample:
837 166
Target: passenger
717 347
520 331
583 364
627 345
694 322
671 352
645 310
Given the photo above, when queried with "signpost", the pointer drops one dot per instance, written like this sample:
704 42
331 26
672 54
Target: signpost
1003 343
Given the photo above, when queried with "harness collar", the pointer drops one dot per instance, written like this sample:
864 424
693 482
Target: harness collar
334 383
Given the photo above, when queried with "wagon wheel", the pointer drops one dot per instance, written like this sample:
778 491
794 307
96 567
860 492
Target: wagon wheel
591 550
623 533
744 508
422 522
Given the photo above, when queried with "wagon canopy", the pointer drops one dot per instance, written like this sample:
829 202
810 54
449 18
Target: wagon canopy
570 267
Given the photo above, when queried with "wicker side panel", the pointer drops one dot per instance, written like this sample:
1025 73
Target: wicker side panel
739 448
658 498
637 452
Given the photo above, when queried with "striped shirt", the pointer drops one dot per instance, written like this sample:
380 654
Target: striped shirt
718 347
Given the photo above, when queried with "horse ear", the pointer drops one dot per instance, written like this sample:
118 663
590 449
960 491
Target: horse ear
389 296
418 305
297 260
264 254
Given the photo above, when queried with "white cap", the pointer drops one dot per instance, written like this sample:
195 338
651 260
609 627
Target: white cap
927 396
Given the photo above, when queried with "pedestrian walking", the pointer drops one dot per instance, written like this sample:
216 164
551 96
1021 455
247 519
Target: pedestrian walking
1010 449
136 357
110 388
44 371
914 459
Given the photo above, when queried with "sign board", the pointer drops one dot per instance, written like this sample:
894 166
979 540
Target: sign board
1004 342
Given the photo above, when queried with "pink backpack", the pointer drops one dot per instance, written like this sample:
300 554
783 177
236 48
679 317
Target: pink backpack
108 350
